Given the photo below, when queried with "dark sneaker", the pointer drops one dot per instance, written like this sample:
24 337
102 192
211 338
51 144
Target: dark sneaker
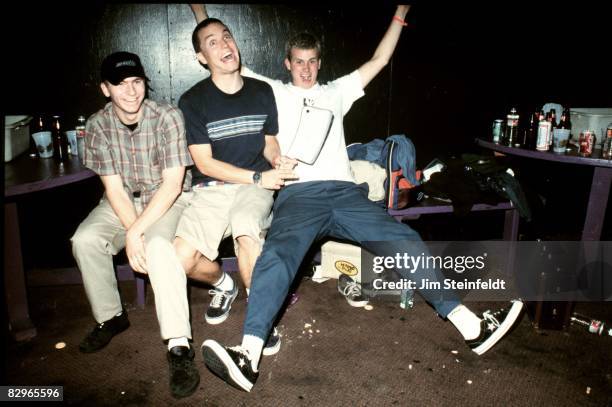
103 333
351 291
233 365
273 343
494 326
184 376
220 305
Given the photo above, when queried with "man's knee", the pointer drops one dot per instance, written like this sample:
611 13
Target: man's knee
83 240
248 243
187 255
158 245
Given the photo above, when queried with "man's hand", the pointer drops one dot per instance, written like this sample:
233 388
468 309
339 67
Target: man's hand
275 179
135 250
283 162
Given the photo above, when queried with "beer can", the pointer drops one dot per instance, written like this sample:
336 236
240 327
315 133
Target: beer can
607 144
544 135
498 130
587 142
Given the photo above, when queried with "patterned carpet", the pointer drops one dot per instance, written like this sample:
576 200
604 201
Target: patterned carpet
331 354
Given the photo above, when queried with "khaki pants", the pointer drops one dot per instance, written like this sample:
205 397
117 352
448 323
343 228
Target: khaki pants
220 211
101 235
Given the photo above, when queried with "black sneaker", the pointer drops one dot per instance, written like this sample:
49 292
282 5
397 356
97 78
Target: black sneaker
220 305
273 343
494 326
184 376
103 333
233 365
351 291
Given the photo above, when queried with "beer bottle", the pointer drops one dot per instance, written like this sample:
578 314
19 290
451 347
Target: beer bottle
80 136
512 123
553 118
563 122
60 143
544 133
531 133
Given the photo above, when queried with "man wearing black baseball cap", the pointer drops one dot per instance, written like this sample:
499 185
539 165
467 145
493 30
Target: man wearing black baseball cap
121 65
139 150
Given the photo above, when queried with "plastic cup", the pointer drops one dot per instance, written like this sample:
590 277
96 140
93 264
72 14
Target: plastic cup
71 136
44 143
80 147
560 138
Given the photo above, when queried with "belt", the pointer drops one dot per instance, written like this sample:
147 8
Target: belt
137 194
210 184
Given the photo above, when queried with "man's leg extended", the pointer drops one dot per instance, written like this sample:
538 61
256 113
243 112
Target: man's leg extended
300 217
358 219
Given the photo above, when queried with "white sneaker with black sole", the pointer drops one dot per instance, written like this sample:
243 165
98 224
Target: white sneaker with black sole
220 305
233 365
494 326
273 343
351 290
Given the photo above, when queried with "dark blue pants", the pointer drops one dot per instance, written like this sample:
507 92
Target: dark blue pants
309 211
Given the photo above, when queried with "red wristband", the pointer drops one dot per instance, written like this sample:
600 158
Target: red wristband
400 20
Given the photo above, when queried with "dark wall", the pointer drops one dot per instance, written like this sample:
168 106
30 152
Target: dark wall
456 68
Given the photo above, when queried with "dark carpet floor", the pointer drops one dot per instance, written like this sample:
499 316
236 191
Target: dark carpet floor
331 354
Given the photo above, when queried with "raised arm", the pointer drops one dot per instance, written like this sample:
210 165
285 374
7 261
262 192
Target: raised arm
385 48
199 12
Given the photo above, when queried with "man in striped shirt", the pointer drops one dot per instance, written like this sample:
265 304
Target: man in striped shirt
139 150
231 125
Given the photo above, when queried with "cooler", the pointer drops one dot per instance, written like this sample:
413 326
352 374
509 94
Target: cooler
339 258
596 119
16 136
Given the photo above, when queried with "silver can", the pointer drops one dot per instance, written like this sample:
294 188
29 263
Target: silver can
498 130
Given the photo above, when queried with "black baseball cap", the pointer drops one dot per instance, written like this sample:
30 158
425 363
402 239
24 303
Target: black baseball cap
120 65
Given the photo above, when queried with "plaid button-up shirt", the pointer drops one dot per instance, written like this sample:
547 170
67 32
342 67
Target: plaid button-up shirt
138 156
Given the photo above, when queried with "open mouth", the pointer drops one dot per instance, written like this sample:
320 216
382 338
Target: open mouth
228 57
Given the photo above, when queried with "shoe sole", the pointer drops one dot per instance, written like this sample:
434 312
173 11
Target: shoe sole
513 314
186 393
220 319
221 364
357 304
272 350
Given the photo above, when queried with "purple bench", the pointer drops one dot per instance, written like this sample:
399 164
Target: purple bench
430 206
425 207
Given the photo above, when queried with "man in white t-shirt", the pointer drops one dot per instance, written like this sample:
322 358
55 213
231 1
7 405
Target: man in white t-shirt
325 201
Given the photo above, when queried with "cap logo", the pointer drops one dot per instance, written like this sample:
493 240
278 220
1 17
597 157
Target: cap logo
125 63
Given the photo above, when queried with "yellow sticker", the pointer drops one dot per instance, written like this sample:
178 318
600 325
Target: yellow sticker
346 268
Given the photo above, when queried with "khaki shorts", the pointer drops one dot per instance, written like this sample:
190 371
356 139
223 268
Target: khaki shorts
216 212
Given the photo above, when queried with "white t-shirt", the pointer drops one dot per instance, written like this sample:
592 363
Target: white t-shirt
332 164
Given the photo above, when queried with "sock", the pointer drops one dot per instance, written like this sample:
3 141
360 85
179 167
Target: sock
225 283
248 290
465 321
182 341
119 314
253 345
